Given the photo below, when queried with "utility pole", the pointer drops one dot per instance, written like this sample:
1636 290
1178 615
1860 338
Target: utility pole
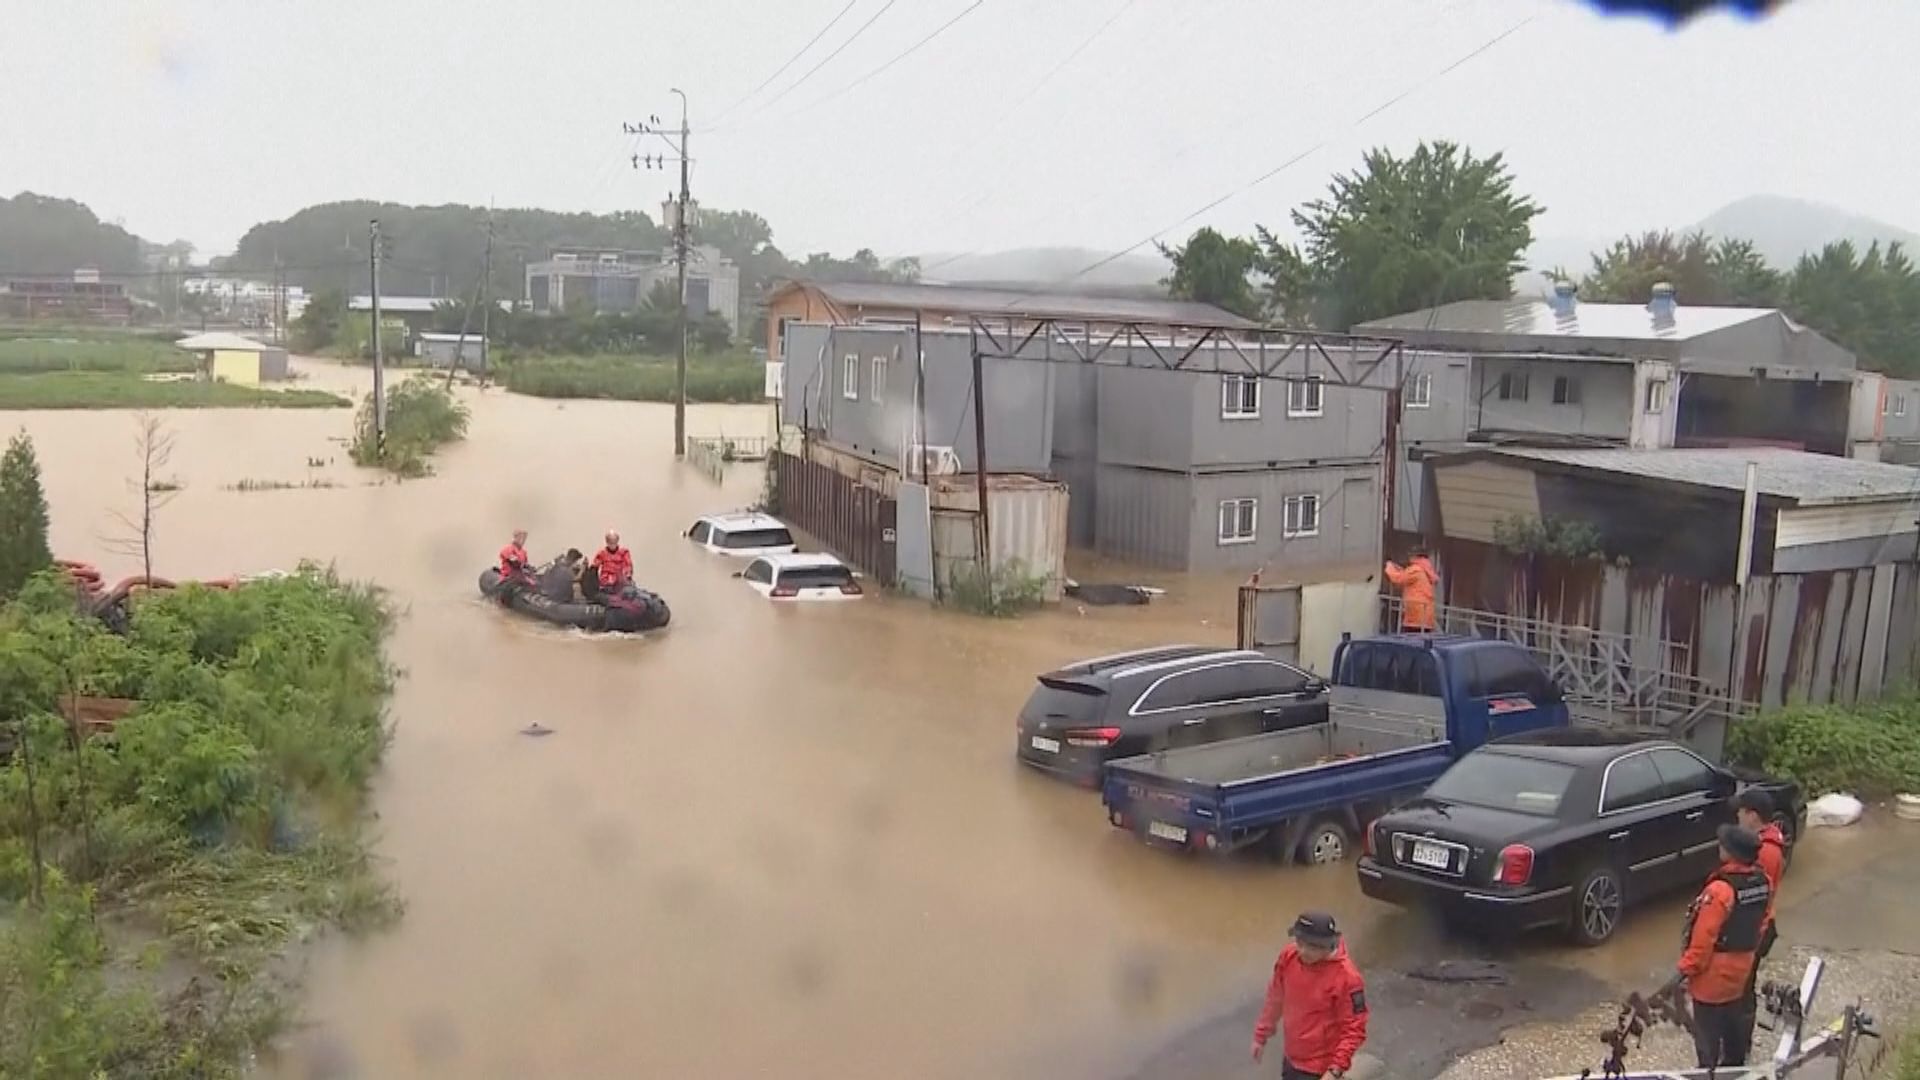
486 300
682 227
279 301
379 356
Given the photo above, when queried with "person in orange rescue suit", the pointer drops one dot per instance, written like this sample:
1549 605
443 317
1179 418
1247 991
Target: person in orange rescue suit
613 564
1417 582
1722 938
1753 808
1317 1000
513 557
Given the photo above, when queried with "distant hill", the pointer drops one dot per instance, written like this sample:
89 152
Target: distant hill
42 235
1782 228
1041 266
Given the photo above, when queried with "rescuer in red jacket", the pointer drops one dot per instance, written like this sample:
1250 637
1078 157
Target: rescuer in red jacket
1317 1000
513 557
1754 810
613 563
1723 931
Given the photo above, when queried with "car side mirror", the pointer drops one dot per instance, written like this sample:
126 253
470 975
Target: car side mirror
1316 687
1724 783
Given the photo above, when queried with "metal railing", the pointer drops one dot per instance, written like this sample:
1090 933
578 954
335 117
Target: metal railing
1614 680
711 454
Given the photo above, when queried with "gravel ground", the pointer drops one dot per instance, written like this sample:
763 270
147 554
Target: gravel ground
1887 982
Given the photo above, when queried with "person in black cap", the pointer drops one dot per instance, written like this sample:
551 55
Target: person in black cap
1753 809
1722 938
1318 1000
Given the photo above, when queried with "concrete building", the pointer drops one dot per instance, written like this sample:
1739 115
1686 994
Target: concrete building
1813 512
82 295
617 280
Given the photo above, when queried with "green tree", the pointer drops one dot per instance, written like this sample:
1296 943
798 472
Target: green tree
712 333
23 516
318 327
1400 234
1729 272
1868 302
1214 269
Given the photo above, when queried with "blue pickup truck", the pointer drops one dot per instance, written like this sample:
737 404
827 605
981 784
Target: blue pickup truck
1402 708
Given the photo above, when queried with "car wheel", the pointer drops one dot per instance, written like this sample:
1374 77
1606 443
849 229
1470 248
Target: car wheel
1599 903
1325 843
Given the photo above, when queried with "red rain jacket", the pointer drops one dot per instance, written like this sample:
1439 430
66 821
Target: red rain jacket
615 567
1322 1007
513 560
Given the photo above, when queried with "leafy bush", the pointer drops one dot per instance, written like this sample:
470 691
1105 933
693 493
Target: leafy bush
422 416
1560 537
1011 590
224 810
23 516
1871 750
726 379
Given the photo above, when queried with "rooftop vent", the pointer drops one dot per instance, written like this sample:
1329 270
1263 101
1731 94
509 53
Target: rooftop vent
1663 303
1563 299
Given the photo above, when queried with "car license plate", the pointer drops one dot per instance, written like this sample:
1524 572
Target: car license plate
1164 831
1051 746
1431 856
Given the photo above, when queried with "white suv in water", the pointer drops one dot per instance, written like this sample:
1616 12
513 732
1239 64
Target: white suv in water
801 577
743 535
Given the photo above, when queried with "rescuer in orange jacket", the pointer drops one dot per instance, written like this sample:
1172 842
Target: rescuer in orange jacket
1722 938
1318 1000
613 564
513 557
1417 582
1753 808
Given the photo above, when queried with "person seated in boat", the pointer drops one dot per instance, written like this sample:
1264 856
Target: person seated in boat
514 564
612 565
561 576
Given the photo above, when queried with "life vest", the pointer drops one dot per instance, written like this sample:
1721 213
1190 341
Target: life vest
614 566
1752 895
513 559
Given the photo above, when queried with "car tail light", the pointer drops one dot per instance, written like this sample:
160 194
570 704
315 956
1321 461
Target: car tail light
1100 736
1516 865
850 589
784 590
1366 840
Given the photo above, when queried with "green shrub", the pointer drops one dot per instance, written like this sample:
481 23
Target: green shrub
710 379
1011 591
125 390
422 416
1871 750
26 356
23 516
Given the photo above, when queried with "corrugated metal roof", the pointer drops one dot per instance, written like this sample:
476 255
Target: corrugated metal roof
1795 475
219 340
1010 302
1537 318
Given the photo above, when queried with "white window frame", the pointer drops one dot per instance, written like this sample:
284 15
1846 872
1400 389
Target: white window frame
780 335
1420 390
878 391
850 376
1512 386
1307 397
1234 507
1234 397
1656 396
1293 514
1895 405
1572 383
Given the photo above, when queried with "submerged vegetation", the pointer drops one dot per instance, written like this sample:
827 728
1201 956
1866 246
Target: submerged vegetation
422 416
728 378
153 868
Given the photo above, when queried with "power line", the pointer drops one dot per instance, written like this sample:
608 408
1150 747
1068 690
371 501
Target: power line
781 70
828 59
910 50
1297 158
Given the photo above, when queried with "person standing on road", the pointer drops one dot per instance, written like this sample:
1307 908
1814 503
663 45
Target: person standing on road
1753 808
1318 1000
1723 930
1417 582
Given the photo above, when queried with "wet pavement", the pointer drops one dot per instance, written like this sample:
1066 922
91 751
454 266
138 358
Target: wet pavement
774 840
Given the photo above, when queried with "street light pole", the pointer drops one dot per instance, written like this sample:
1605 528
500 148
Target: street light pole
681 224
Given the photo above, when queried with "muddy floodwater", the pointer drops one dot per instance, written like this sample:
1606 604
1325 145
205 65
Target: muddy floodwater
772 841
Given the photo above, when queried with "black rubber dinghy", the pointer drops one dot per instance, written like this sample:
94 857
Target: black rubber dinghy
632 611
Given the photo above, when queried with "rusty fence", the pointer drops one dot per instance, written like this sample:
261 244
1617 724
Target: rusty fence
853 520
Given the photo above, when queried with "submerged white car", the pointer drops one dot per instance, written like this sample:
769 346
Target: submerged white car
801 577
743 535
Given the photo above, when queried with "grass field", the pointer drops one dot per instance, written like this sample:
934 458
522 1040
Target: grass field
122 390
729 379
124 353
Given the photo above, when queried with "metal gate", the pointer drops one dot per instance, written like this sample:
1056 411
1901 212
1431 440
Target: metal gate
854 520
1270 620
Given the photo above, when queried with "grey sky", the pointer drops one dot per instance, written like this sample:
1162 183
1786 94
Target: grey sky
197 118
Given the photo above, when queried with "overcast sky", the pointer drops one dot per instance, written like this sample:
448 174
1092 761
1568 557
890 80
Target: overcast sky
197 118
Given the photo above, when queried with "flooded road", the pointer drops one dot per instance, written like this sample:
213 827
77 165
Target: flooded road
775 840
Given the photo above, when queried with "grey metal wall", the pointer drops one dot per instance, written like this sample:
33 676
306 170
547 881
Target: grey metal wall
1448 416
1349 518
1018 396
1606 398
1146 416
1144 516
1904 428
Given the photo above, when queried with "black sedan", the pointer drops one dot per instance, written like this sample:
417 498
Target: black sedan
1560 828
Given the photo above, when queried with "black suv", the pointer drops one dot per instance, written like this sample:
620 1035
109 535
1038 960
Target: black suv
1086 714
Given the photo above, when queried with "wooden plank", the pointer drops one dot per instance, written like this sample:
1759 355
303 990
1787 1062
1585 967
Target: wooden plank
1875 635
